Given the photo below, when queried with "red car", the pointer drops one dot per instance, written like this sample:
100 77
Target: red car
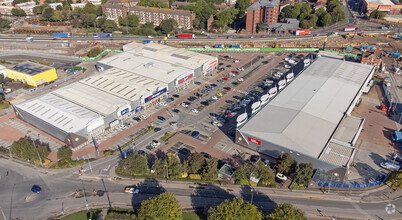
227 88
228 114
224 78
235 72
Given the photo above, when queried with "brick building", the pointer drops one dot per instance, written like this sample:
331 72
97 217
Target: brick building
27 7
5 9
386 6
6 2
183 18
266 11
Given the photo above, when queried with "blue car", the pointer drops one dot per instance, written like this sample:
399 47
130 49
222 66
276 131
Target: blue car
157 129
195 134
214 85
36 189
161 118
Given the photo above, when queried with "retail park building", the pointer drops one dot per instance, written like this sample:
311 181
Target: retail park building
310 118
126 84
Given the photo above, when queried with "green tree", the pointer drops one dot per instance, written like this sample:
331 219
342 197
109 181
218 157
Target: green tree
338 15
234 209
109 26
153 3
285 164
19 1
203 12
94 52
376 14
67 7
260 27
226 17
395 178
305 8
195 162
242 6
4 24
210 170
286 211
58 16
174 165
64 154
47 13
265 173
18 12
99 11
168 25
37 10
163 206
26 150
136 164
89 9
59 8
320 12
89 19
242 174
331 5
130 20
304 172
160 168
326 20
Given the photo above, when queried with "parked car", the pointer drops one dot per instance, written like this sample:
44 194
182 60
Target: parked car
224 78
157 129
255 158
173 123
213 114
227 88
131 190
195 134
235 72
162 104
214 85
36 189
221 81
169 100
176 95
229 101
192 98
214 97
161 118
194 110
215 123
184 104
143 117
176 110
219 94
155 143
389 165
228 66
240 79
282 178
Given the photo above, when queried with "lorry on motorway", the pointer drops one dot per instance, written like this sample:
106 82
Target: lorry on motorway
351 29
186 36
99 35
147 41
219 46
302 32
61 34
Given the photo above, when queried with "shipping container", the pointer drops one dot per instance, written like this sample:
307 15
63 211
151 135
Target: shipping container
61 34
303 32
103 35
236 46
219 46
186 36
351 29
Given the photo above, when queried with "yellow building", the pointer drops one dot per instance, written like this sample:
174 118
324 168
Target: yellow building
33 74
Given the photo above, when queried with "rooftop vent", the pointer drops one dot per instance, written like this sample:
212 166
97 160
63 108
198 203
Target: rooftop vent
149 65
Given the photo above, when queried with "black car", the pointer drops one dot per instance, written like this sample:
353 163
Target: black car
255 92
175 95
235 83
205 91
254 158
206 155
228 66
205 103
237 97
213 114
210 100
157 129
197 83
169 100
198 94
229 101
231 133
192 98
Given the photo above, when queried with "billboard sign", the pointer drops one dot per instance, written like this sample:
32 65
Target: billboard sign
124 111
138 109
184 78
210 64
254 141
155 95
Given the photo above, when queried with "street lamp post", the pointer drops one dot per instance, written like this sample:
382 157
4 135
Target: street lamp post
85 196
329 187
252 195
40 159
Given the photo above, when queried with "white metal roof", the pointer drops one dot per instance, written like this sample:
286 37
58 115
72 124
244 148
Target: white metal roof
59 112
305 114
91 98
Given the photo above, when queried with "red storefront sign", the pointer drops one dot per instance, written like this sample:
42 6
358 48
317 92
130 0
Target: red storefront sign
213 63
255 141
186 78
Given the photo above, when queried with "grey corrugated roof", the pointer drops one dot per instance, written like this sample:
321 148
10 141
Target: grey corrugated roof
305 114
266 3
348 129
337 153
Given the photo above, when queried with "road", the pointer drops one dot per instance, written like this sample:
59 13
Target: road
57 189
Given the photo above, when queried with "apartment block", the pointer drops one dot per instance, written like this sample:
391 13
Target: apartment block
5 9
183 18
266 11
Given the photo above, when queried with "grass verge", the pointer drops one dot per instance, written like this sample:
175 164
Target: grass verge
83 215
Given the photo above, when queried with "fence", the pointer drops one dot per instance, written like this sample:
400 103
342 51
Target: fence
38 54
347 54
341 185
90 59
253 49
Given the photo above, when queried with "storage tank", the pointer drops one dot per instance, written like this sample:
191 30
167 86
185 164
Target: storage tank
241 119
255 107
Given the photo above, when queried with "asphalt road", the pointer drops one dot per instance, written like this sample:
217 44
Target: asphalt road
17 201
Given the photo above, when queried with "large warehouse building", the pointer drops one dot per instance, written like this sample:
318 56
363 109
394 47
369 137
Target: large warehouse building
33 74
127 83
310 118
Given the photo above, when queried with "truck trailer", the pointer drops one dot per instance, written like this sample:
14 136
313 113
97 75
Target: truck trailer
61 34
302 32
